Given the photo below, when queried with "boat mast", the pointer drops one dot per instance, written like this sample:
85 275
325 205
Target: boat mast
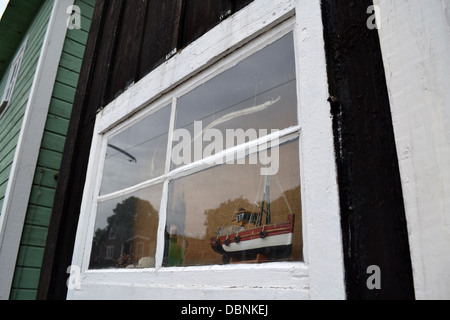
265 202
268 213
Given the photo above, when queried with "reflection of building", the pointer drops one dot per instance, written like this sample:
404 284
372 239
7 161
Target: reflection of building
129 236
120 253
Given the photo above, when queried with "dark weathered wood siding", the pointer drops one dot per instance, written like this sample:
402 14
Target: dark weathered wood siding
143 34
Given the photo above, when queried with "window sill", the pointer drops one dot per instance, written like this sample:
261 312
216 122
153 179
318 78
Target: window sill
278 280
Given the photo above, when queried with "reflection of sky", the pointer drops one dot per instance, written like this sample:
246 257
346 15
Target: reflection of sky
266 76
147 142
243 85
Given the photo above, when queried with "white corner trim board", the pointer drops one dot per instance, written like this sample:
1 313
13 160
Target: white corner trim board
321 276
27 151
415 42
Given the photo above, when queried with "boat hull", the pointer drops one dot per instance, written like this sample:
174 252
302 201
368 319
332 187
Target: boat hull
273 241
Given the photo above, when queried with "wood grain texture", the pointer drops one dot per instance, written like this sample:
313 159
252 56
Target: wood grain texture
372 208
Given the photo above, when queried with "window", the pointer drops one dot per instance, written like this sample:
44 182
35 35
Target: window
12 78
247 104
217 171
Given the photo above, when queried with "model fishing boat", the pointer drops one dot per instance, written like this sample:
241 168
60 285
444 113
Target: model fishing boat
253 233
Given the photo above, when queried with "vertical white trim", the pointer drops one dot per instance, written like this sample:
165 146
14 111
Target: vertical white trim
27 151
320 198
171 133
162 226
415 45
86 223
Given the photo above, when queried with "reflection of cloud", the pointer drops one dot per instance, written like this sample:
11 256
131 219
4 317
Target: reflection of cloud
236 114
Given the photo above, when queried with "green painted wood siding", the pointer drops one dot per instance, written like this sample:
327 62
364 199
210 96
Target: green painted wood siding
20 14
11 121
28 267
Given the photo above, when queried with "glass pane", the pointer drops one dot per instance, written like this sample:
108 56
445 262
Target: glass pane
258 93
126 231
137 154
214 216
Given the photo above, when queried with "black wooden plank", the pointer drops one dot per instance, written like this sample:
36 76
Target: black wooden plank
101 76
160 34
125 62
372 208
240 4
200 16
173 25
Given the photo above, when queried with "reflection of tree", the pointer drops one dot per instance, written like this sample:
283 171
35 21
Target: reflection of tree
224 213
130 234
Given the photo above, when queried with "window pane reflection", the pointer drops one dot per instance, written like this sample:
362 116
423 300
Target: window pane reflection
126 231
257 93
137 154
224 202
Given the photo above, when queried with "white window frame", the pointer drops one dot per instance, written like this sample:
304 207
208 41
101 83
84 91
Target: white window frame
12 78
321 275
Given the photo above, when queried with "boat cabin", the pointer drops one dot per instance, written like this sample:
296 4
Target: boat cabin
244 218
